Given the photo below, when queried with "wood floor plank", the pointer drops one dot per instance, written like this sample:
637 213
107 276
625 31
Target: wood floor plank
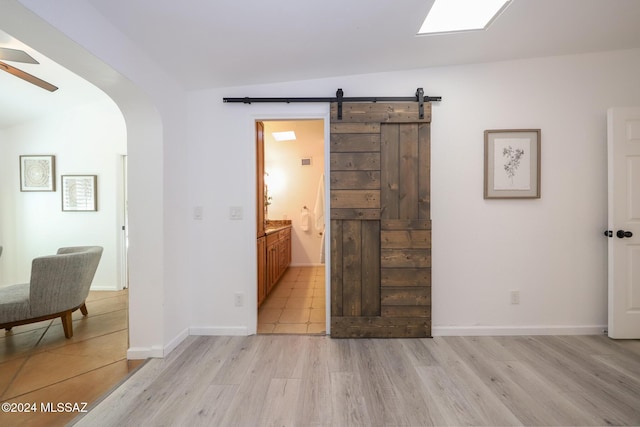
209 357
157 400
291 362
314 404
630 345
481 399
123 404
621 364
598 345
342 356
375 386
623 389
241 358
349 407
207 409
254 384
454 406
318 381
492 348
390 386
567 375
401 375
418 352
547 397
514 394
282 397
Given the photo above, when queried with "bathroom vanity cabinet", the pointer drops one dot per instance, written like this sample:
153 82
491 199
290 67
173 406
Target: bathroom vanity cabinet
262 270
274 257
278 255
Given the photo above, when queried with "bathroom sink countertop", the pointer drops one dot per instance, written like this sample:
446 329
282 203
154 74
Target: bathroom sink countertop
276 225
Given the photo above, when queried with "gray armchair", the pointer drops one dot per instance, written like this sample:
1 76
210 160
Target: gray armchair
59 285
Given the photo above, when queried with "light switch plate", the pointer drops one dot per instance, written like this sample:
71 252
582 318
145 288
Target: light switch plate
235 212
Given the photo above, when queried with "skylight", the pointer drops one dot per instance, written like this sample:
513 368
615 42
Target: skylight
448 16
284 136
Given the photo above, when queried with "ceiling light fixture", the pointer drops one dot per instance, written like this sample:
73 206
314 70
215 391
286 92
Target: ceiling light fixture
284 136
448 16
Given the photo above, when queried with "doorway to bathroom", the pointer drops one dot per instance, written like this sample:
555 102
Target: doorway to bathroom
291 226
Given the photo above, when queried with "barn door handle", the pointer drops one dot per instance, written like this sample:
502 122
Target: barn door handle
622 234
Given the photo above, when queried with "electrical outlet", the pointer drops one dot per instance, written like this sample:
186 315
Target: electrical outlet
238 299
515 297
198 213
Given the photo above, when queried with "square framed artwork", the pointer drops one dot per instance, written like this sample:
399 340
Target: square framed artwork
79 193
38 173
512 164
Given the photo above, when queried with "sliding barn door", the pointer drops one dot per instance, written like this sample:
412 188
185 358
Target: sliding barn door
380 221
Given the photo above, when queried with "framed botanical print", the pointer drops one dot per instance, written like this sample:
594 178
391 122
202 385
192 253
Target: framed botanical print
512 164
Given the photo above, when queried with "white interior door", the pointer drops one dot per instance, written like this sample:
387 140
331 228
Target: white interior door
123 224
623 141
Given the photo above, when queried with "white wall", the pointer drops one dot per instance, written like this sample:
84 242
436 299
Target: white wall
7 215
86 140
551 250
153 106
294 186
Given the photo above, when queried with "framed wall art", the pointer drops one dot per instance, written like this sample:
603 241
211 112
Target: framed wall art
512 164
79 193
38 173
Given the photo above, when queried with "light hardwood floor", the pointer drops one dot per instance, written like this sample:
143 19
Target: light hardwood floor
304 380
38 365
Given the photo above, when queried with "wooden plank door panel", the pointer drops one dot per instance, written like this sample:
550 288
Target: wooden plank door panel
405 169
380 221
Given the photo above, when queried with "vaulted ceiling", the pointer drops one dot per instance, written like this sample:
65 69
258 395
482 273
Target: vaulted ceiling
204 44
21 101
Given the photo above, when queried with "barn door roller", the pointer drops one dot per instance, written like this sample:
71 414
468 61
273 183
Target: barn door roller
419 97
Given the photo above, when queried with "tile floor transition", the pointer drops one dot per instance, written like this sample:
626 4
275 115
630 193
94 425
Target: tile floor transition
296 305
39 365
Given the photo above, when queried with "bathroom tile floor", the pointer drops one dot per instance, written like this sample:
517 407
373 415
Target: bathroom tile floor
296 305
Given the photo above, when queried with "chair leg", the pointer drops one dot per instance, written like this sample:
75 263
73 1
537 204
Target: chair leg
67 324
83 309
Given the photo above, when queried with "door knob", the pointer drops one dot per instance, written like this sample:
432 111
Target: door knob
622 234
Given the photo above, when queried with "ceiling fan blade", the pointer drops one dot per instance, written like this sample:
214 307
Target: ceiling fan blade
27 77
16 55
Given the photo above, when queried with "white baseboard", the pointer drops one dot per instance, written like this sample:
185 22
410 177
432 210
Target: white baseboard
156 351
176 341
458 331
159 352
104 288
219 331
136 353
